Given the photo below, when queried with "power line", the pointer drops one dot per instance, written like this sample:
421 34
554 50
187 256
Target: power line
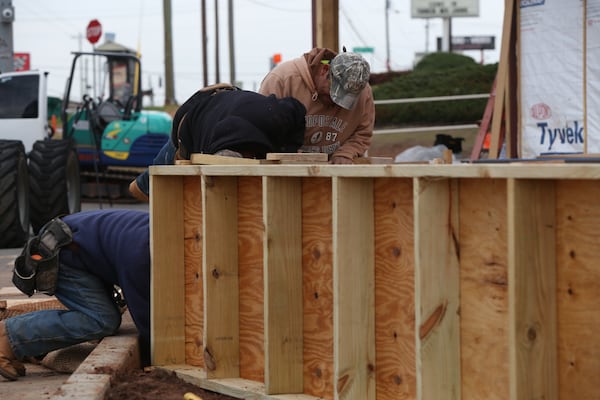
263 4
352 27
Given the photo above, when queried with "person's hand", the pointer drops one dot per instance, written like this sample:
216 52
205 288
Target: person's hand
340 160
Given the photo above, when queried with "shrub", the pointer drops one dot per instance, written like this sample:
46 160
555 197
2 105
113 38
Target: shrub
438 74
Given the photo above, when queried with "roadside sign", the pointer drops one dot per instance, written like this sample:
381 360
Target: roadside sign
363 49
471 42
22 61
94 31
444 8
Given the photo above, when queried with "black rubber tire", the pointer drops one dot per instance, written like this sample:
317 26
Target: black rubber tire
54 181
14 194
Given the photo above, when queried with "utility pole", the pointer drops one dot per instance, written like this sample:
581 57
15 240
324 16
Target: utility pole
169 77
231 46
387 35
217 70
325 24
7 16
204 43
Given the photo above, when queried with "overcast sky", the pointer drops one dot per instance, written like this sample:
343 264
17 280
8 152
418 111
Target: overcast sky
50 30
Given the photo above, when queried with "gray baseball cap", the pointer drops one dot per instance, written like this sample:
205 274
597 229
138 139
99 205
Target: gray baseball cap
349 76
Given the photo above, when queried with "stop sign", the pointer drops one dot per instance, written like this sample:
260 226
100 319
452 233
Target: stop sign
94 31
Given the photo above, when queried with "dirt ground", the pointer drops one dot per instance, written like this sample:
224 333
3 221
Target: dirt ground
156 384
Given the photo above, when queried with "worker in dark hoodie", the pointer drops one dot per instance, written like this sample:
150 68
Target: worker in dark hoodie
225 120
334 88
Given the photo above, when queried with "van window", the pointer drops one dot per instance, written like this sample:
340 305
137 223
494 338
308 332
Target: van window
19 96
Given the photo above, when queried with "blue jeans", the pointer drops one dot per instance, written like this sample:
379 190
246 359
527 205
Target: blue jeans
92 314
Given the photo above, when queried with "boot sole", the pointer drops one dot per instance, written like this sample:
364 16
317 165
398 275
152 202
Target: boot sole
8 375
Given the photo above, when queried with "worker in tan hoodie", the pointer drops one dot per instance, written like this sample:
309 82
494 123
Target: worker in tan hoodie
335 90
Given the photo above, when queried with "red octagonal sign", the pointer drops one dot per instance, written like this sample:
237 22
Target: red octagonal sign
94 31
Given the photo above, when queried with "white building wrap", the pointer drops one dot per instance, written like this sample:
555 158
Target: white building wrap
593 75
552 80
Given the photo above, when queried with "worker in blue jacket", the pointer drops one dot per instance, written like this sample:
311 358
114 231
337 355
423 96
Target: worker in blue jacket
90 252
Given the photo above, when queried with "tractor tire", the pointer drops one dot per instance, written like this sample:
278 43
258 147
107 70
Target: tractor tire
54 181
14 194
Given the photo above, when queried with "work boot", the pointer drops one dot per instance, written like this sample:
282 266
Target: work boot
19 367
7 357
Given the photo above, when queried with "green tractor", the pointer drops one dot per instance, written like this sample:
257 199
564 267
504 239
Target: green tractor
115 139
107 139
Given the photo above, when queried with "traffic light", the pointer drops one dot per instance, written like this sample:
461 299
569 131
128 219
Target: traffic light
276 59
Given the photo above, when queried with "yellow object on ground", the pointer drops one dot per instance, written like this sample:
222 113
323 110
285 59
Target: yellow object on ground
191 396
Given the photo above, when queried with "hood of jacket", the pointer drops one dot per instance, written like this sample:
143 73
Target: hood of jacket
315 57
244 121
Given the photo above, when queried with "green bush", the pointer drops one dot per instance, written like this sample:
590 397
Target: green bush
438 74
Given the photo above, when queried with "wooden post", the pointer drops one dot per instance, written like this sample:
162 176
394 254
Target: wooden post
167 296
326 24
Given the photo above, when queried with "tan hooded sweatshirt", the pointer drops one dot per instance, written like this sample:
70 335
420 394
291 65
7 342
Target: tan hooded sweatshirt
330 128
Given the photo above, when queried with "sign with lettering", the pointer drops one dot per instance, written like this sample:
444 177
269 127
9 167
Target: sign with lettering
557 99
444 8
473 42
93 31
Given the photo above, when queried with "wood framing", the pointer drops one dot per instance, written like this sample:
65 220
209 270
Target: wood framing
532 292
437 289
377 281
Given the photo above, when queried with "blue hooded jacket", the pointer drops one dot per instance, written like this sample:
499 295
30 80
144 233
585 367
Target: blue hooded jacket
114 245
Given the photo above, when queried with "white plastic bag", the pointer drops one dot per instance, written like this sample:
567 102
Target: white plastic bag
421 153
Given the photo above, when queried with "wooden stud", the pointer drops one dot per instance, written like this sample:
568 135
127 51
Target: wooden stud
220 270
317 283
532 289
194 279
437 289
250 260
167 300
282 198
394 289
354 296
